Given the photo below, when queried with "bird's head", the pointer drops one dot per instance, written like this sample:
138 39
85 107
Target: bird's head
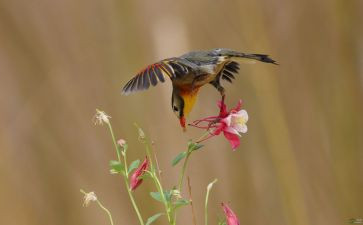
182 103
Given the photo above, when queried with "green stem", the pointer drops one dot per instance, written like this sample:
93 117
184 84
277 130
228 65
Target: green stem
161 191
114 142
181 177
125 174
189 152
154 176
133 201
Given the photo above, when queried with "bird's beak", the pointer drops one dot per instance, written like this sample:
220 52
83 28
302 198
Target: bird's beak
182 123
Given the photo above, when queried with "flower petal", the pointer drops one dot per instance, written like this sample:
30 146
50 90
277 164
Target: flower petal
230 215
232 130
243 129
233 140
243 113
238 106
219 129
223 109
227 120
135 181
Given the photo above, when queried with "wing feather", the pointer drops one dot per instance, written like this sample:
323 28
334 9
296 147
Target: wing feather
159 74
154 73
228 71
152 77
146 81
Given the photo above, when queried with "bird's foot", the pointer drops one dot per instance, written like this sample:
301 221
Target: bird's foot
222 102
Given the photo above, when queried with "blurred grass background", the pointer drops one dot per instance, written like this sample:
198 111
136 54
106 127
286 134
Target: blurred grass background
300 163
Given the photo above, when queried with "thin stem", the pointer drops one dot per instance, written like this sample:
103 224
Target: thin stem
125 166
191 202
125 174
206 201
154 176
106 210
161 191
102 207
181 177
133 201
156 161
189 152
114 142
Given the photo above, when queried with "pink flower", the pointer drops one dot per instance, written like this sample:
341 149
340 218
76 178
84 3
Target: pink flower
230 216
232 123
121 142
135 177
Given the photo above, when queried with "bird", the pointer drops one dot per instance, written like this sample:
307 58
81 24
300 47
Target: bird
189 72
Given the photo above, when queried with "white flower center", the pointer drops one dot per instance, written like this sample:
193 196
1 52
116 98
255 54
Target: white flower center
238 120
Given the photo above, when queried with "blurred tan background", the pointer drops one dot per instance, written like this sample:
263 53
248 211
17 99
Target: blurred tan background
300 163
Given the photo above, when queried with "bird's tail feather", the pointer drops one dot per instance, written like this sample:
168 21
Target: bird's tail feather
258 57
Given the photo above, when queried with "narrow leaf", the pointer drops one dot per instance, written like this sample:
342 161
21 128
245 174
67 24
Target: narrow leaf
197 146
133 165
153 218
181 202
157 196
192 146
116 166
179 157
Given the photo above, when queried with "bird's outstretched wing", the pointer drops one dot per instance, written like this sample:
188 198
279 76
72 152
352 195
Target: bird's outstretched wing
228 70
154 73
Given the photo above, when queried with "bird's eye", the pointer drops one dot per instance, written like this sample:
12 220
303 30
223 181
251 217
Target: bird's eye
175 108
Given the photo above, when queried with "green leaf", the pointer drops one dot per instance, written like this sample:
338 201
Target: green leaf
181 202
133 165
153 218
116 166
179 157
192 146
125 147
197 146
157 196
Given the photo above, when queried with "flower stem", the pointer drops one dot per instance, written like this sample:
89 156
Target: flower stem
209 187
133 201
162 194
181 177
106 210
158 185
189 152
125 174
102 207
114 142
191 202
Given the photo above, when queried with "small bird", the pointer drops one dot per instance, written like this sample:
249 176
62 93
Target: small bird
189 72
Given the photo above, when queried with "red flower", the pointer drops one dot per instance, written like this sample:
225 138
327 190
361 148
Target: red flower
231 123
230 216
135 178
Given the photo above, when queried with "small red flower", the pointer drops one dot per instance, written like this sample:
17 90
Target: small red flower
230 216
135 177
231 123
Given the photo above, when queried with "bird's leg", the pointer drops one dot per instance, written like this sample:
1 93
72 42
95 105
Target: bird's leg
219 88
